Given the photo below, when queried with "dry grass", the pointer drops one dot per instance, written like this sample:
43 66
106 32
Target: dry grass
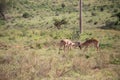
45 63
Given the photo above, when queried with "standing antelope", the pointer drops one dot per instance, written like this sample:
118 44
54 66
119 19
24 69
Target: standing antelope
66 43
88 42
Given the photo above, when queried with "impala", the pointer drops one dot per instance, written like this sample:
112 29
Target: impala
89 42
66 44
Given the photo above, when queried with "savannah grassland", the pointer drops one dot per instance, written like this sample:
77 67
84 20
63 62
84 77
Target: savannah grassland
29 40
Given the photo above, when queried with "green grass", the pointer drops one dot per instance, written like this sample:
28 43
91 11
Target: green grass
29 46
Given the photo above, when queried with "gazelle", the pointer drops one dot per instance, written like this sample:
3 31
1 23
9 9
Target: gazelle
66 43
89 42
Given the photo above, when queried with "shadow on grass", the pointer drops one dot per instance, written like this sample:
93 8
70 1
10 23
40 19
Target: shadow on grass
111 25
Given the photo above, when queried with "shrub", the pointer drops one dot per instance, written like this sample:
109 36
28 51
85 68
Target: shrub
115 10
105 45
26 15
59 22
90 21
62 5
2 22
115 24
93 14
101 9
75 34
38 45
118 15
3 4
95 22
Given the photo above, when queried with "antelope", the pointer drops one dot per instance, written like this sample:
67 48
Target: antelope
89 42
66 43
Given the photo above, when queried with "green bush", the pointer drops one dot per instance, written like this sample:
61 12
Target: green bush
93 14
59 22
115 61
38 45
117 15
2 22
26 15
114 24
105 45
62 5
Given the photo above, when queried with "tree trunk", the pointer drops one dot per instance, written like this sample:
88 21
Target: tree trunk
80 15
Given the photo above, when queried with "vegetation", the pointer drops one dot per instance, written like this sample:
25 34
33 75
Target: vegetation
58 23
29 39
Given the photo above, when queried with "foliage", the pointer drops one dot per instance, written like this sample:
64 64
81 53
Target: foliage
112 25
2 22
115 61
58 22
26 15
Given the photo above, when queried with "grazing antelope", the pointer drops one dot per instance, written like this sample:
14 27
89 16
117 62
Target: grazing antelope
89 42
77 44
66 43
